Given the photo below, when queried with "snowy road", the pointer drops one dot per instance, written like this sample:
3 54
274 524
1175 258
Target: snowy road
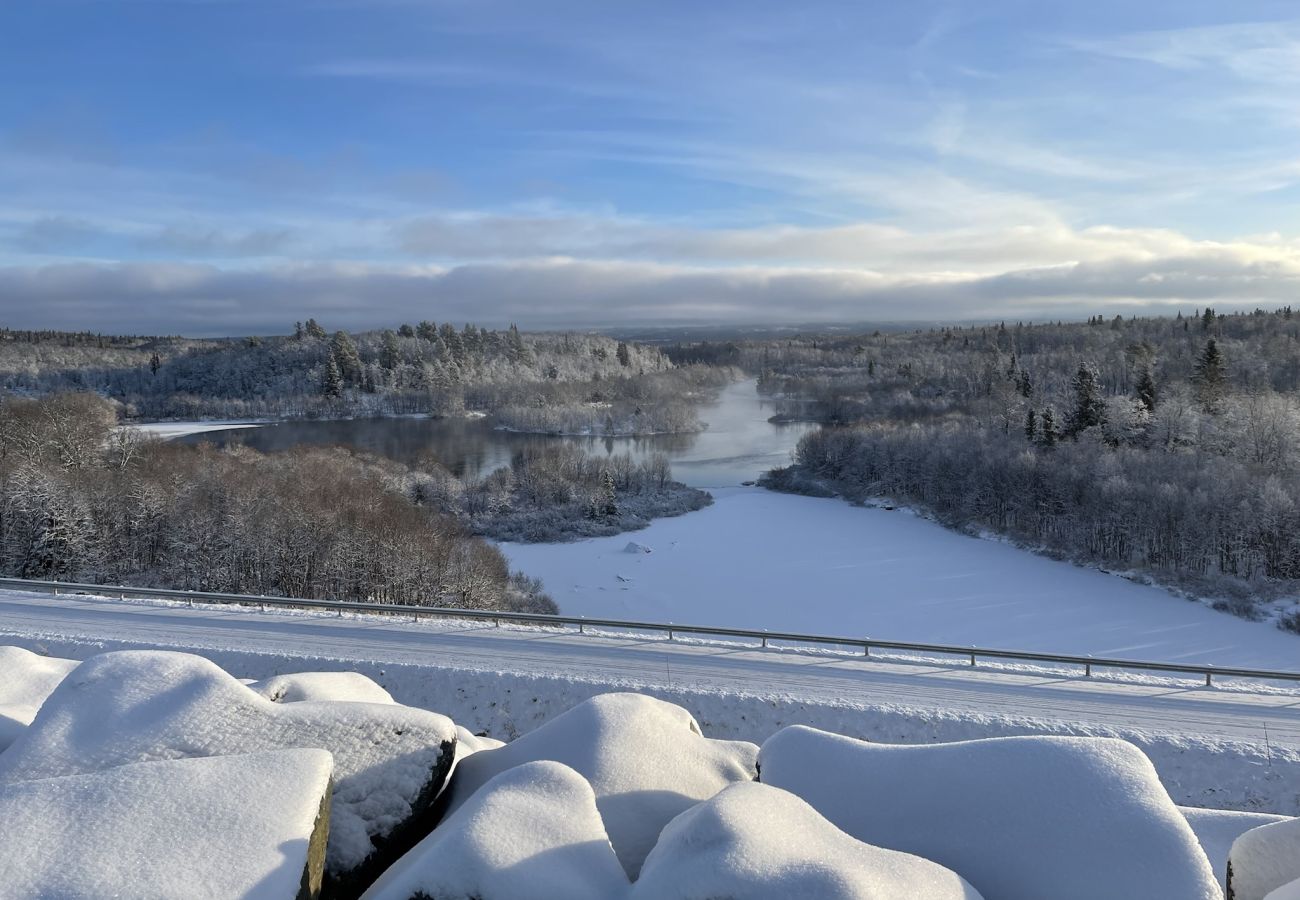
1153 708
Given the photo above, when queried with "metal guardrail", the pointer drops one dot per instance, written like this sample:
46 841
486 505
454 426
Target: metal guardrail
1089 663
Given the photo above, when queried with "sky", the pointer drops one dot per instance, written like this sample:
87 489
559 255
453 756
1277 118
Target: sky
227 167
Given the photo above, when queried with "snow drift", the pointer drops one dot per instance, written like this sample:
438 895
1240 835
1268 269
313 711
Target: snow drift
646 760
1263 860
219 827
532 831
1020 818
762 843
390 761
26 679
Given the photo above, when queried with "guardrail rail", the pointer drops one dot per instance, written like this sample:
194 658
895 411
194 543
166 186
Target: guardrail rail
671 629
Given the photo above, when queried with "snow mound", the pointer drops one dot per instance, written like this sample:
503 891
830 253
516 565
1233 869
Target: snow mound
221 827
533 831
390 761
468 743
646 760
307 686
762 843
1286 892
1264 859
1216 829
1020 818
634 547
26 679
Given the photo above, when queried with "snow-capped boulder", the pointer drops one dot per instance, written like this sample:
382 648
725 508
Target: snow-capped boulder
646 760
1216 829
390 761
1020 818
1263 860
26 679
634 547
352 687
468 743
248 826
762 843
533 831
1286 892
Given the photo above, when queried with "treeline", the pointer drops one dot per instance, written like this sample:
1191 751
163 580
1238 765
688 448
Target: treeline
81 500
563 382
558 492
1166 446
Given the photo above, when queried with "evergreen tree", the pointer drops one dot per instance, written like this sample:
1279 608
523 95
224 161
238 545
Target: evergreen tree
1146 389
155 363
389 353
345 356
624 356
313 330
1209 376
1031 425
332 380
1048 433
427 331
406 331
1207 320
1089 405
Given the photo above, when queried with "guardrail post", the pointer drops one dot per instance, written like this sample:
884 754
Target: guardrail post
582 629
764 637
972 657
1087 670
670 631
496 623
1208 673
866 649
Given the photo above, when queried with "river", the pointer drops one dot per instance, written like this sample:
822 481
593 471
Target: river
738 445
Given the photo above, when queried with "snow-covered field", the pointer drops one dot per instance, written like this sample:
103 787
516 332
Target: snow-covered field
758 559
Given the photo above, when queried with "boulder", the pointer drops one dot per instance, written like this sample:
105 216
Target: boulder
646 760
1020 818
337 686
1263 860
533 831
390 761
250 826
762 843
26 679
1216 829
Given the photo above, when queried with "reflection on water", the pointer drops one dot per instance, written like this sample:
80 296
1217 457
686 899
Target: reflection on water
738 445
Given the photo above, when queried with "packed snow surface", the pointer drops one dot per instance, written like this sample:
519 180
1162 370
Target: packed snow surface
759 559
646 760
223 827
1021 818
762 843
1216 829
352 687
26 679
1285 892
532 831
134 706
1265 859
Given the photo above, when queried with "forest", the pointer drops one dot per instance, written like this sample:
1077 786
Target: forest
553 383
1166 448
83 500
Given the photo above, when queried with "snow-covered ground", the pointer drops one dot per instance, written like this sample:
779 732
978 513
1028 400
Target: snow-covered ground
169 430
759 559
1235 747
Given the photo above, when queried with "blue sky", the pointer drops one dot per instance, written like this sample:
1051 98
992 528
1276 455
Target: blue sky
218 167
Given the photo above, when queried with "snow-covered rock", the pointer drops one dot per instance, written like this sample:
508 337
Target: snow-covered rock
1216 829
390 761
250 827
646 760
1263 860
26 679
468 743
634 547
1286 892
533 831
762 843
352 687
1020 818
